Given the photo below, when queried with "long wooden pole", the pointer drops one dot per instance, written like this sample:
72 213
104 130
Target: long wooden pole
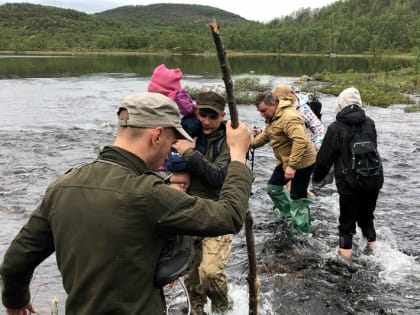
249 234
227 78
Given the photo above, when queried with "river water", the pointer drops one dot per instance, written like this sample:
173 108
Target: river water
48 125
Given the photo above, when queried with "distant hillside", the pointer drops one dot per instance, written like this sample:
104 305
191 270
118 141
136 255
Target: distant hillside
32 17
165 14
351 26
345 26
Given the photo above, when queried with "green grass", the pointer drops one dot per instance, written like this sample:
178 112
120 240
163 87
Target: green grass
244 90
412 109
377 89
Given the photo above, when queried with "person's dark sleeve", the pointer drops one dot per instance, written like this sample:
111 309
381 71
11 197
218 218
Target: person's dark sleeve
213 172
326 156
176 212
31 246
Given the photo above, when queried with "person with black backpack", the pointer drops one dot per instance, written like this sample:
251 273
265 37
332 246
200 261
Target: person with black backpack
350 144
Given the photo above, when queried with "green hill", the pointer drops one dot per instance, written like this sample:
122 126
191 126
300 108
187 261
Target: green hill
32 18
166 14
346 26
184 27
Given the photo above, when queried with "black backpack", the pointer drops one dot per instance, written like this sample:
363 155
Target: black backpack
363 170
176 259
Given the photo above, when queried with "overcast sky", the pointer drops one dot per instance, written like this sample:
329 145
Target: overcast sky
257 10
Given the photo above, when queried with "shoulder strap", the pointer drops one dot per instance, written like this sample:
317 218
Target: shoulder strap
217 147
349 131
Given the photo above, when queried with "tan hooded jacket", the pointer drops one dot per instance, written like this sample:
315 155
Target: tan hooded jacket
287 135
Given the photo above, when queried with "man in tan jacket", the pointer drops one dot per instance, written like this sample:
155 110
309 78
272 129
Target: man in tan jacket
285 131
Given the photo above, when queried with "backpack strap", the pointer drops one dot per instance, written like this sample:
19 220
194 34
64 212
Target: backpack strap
350 129
218 147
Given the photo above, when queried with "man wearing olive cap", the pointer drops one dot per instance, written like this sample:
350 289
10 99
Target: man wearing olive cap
106 219
208 172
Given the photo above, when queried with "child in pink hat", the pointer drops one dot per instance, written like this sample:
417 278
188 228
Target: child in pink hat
168 82
165 81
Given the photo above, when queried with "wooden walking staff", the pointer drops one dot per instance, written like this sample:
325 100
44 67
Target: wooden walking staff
249 234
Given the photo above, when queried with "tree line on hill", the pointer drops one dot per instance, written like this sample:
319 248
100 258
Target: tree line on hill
347 26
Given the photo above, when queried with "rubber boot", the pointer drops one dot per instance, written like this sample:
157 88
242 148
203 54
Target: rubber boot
301 219
281 199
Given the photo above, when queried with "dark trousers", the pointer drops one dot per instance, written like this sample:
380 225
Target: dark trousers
357 208
300 182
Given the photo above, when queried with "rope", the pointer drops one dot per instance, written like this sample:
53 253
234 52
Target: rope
185 290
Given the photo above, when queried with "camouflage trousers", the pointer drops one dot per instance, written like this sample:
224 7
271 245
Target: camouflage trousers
207 277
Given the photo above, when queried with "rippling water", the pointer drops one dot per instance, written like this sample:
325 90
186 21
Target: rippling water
49 125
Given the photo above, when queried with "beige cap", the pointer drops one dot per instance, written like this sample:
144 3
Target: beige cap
347 97
283 92
148 110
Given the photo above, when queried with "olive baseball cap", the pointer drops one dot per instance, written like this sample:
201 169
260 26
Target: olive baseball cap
149 110
211 100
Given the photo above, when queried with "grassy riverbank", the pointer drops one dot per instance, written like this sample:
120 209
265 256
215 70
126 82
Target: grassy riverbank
378 89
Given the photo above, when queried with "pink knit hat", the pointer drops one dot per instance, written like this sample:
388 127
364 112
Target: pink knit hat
165 81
